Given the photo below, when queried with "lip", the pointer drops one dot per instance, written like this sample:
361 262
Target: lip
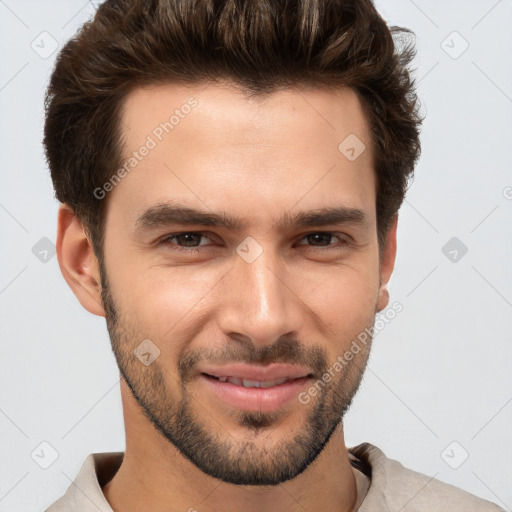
255 399
259 373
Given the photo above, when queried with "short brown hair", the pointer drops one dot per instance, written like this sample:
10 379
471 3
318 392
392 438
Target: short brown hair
259 45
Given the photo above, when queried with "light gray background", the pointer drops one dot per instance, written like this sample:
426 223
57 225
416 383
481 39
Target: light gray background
439 372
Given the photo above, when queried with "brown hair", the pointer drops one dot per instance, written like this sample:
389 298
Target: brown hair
259 45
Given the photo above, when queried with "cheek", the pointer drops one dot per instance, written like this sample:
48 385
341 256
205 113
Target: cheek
343 299
166 304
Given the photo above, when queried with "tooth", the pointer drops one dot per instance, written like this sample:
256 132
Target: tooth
251 383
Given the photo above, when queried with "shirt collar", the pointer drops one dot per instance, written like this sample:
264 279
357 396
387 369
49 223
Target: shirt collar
85 493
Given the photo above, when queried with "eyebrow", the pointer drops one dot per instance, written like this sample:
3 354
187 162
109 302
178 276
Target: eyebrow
166 214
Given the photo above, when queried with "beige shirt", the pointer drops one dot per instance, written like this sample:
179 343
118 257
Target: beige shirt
383 485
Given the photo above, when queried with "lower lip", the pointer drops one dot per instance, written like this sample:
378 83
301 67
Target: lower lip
256 399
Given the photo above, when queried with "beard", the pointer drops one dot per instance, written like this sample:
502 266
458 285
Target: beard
175 412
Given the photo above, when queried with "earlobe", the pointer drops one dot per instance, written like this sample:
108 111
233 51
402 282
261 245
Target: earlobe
77 261
383 298
387 264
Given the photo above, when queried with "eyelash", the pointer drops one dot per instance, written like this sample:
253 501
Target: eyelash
167 241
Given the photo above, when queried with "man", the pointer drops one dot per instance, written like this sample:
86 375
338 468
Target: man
230 174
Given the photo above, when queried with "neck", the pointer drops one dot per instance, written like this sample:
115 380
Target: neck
155 476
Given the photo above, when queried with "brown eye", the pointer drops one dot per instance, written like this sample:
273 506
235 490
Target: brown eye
321 240
189 241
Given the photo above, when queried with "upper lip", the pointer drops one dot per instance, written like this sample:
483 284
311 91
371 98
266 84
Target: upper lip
258 373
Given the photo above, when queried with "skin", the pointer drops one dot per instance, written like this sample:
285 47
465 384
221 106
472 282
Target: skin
304 299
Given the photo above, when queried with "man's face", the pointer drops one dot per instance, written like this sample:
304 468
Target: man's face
263 292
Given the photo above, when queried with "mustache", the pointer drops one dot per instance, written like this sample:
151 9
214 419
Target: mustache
285 350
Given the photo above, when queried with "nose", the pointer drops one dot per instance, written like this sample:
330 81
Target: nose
259 301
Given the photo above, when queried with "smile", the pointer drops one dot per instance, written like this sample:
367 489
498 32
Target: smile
246 383
250 395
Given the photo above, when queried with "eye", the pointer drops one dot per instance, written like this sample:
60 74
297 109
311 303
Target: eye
190 241
320 240
185 242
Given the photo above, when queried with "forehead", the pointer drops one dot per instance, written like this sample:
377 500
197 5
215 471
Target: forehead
213 145
226 107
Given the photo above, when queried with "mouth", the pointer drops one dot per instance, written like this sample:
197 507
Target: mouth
256 375
248 383
264 396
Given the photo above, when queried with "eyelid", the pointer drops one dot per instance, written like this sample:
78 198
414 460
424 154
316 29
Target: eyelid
167 238
343 240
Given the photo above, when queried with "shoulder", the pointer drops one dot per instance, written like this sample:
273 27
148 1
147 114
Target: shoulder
406 490
85 493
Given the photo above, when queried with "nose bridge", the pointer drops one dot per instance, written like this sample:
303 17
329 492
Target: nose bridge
257 300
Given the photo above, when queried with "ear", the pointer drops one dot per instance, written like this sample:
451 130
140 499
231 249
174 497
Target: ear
77 261
387 263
